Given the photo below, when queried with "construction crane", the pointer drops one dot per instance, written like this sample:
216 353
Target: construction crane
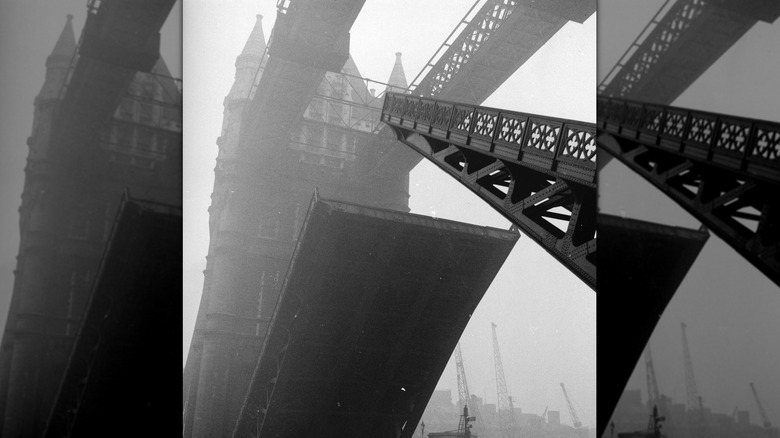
574 418
695 404
464 396
653 396
506 411
761 411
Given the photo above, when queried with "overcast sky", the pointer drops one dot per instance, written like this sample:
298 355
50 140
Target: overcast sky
28 32
731 309
545 315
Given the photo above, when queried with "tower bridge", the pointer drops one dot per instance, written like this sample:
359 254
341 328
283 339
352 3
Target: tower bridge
295 120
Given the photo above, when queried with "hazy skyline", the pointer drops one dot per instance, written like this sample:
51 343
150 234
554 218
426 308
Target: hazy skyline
731 309
545 315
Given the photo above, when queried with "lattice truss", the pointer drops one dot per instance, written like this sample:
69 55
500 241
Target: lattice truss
457 52
724 170
539 172
679 44
656 39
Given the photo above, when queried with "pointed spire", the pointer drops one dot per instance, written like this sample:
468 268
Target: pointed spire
58 61
66 44
255 45
248 62
397 76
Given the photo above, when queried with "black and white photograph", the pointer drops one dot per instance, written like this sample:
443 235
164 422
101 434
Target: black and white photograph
375 218
340 282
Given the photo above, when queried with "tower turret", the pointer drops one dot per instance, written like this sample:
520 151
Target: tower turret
58 61
397 82
248 62
247 65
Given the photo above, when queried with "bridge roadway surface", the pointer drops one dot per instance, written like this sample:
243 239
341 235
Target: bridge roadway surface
372 307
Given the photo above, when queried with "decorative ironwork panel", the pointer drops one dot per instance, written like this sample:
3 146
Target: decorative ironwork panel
754 145
724 170
579 144
461 118
511 129
544 136
485 123
733 136
537 171
767 143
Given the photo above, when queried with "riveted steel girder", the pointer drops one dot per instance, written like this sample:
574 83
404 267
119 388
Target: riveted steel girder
724 170
539 172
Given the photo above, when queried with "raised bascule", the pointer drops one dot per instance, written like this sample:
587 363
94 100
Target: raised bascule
300 117
372 306
723 169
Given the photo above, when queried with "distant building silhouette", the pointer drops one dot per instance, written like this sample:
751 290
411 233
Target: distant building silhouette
632 415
